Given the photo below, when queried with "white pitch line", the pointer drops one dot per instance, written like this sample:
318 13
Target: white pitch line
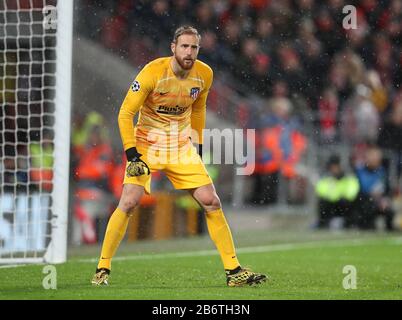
11 265
397 240
256 249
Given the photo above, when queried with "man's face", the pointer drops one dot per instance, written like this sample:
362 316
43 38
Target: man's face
185 50
335 169
373 158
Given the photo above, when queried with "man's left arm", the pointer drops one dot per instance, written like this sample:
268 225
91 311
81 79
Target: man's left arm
198 116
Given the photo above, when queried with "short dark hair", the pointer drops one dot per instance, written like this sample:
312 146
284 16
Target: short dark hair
185 30
334 159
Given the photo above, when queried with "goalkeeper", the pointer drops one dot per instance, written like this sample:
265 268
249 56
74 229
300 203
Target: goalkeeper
170 95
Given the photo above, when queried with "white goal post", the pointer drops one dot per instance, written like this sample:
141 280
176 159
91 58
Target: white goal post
35 98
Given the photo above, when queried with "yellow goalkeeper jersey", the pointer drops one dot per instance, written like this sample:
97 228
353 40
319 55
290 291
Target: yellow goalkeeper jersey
169 107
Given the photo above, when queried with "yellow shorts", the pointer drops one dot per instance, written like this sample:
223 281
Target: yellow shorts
184 168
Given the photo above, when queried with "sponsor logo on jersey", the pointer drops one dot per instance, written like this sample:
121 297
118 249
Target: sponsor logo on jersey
171 110
194 92
135 86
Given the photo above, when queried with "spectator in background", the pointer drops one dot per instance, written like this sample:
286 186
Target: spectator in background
92 174
279 147
315 61
245 72
391 134
355 68
385 59
360 119
114 32
328 108
329 31
392 21
81 129
264 32
140 50
379 94
357 37
338 78
282 18
374 197
41 156
231 39
262 80
158 21
180 14
371 9
82 126
244 13
204 15
280 89
336 193
210 49
291 70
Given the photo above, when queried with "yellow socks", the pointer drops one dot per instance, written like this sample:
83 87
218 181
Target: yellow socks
115 231
217 227
222 237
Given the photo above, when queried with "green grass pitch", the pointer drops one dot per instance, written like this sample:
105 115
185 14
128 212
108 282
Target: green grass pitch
300 264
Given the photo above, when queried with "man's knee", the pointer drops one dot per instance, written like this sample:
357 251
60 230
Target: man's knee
127 205
211 202
128 202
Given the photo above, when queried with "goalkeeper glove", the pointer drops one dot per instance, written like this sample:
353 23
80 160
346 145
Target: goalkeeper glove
136 166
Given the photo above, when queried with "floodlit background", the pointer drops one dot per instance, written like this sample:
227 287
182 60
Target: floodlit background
311 89
325 102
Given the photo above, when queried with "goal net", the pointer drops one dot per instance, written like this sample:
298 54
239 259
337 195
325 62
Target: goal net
35 82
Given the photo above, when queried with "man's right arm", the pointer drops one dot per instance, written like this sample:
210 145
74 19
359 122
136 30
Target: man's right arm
136 95
139 90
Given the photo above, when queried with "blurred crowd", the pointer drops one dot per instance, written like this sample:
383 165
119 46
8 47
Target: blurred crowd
296 49
294 73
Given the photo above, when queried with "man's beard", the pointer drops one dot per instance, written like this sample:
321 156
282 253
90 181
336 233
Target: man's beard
183 65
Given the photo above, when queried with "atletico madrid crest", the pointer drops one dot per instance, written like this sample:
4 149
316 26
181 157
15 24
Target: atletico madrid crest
194 92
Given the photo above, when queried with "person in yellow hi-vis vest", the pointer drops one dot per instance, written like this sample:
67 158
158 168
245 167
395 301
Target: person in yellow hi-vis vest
336 193
41 155
170 95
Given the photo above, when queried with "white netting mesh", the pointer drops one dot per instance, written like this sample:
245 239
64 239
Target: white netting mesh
27 98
